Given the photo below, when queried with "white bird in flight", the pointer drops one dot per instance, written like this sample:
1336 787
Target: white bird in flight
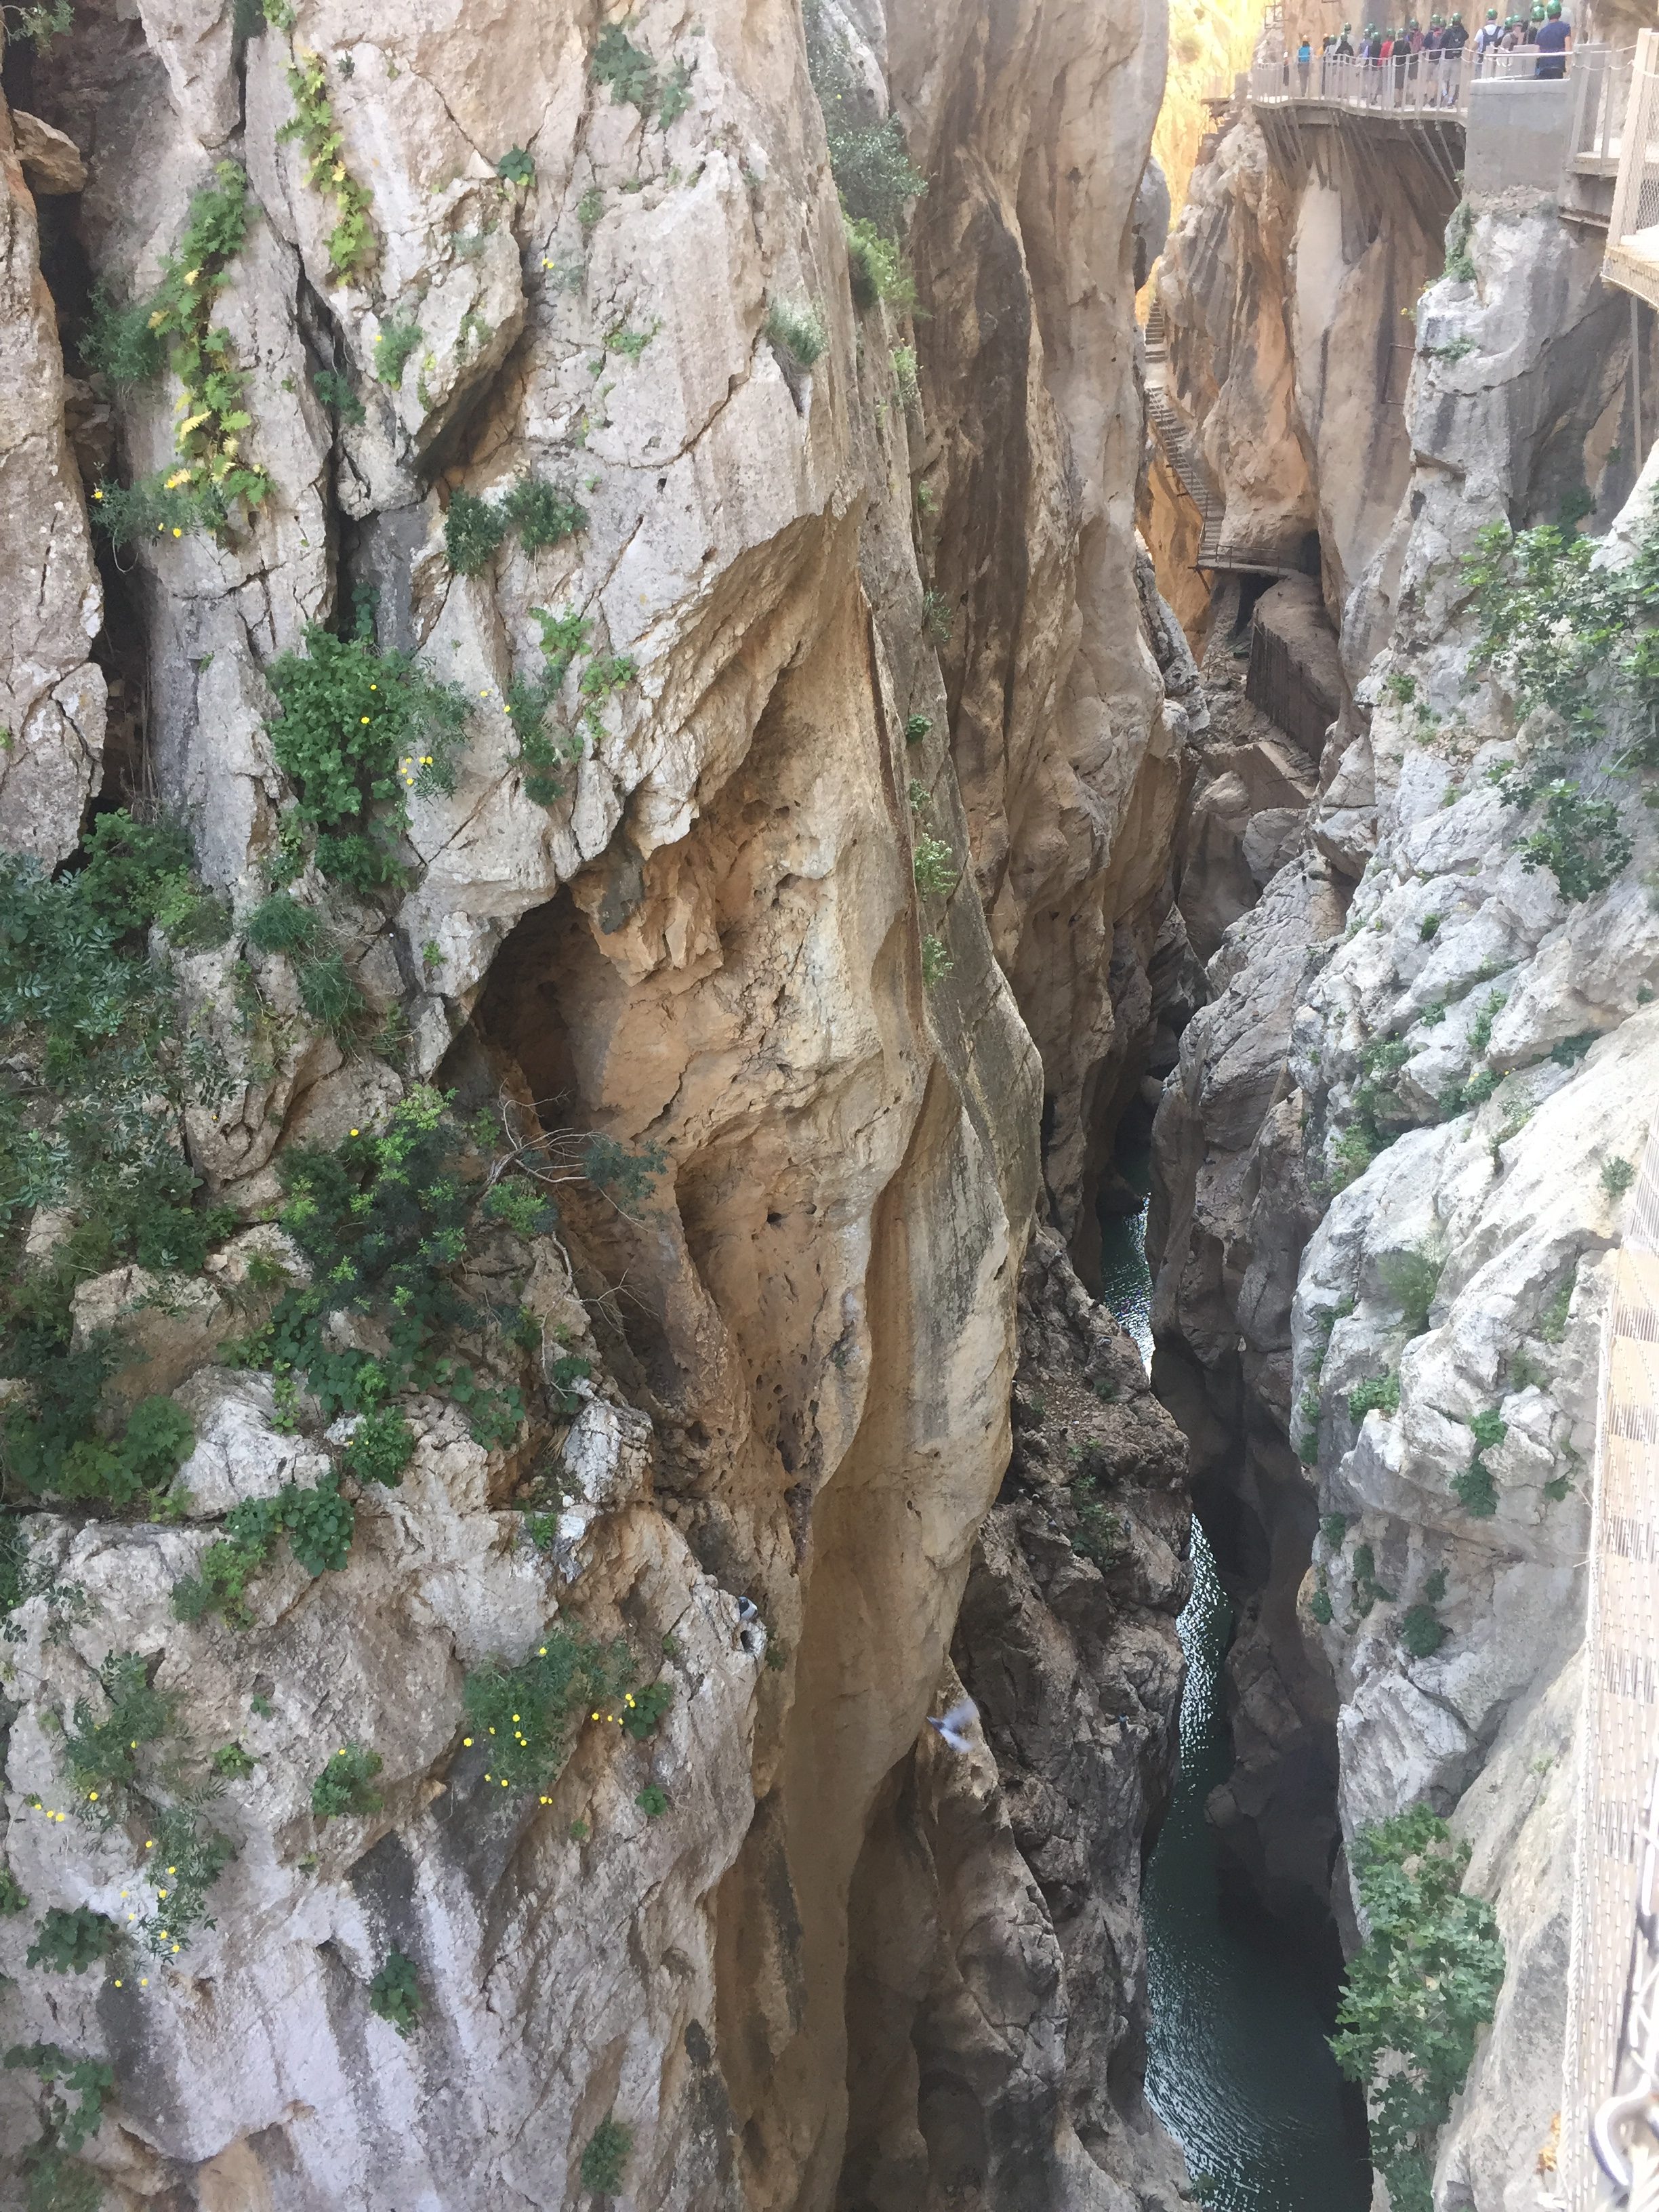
954 1725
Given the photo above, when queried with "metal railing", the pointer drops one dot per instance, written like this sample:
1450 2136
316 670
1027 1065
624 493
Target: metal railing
1405 84
1632 255
1175 439
1613 2033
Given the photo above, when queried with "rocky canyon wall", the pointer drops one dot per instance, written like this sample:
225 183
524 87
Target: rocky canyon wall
477 1573
1398 1142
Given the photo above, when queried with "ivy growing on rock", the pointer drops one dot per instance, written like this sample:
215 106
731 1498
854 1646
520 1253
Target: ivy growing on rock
317 1522
352 247
211 477
1417 1993
57 2180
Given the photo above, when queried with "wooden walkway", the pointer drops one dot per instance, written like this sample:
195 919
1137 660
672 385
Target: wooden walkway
1612 2040
1177 444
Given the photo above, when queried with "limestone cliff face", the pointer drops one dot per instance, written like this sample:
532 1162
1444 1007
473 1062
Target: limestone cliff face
770 1407
1386 1169
1290 285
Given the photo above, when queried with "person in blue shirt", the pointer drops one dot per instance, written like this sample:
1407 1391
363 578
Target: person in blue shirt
1554 42
1304 62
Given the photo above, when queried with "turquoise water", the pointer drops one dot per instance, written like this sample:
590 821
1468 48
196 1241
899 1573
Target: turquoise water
1238 2069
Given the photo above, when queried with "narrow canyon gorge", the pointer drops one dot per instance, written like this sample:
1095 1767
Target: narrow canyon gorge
828 933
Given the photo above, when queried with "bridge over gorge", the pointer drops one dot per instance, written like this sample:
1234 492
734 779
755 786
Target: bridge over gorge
1490 120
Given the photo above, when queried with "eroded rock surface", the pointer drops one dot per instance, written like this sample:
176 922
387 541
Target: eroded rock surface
767 1381
1391 1159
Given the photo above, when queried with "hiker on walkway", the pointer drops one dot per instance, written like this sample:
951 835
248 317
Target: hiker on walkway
1304 63
1487 40
1554 42
1529 27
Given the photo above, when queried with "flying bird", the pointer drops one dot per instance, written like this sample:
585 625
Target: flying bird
954 1725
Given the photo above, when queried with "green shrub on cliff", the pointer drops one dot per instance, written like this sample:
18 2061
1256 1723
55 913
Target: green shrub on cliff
1418 1992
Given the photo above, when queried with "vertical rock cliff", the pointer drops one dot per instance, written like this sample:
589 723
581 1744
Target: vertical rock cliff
617 786
1402 1131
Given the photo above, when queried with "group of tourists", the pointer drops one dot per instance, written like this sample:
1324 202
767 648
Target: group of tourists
1432 57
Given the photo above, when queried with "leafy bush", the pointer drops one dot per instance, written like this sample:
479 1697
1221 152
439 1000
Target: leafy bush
1422 1632
1553 1315
916 728
936 962
1476 1490
1333 1528
642 1711
676 95
1428 927
69 1942
1473 1487
796 331
317 1523
117 341
57 2181
1480 1034
1460 262
12 1897
352 249
231 1762
542 514
605 2160
337 395
515 166
1319 1605
100 1754
1367 1591
1417 1993
346 1784
1411 1280
876 269
472 531
652 1801
522 1714
1378 1393
281 924
394 342
934 866
1101 1534
359 729
1353 1153
630 73
1617 1176
395 1994
191 1856
328 990
1569 1051
1581 840
938 618
381 1447
903 359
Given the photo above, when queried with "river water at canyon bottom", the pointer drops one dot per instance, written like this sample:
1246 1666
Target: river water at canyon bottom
1238 2069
